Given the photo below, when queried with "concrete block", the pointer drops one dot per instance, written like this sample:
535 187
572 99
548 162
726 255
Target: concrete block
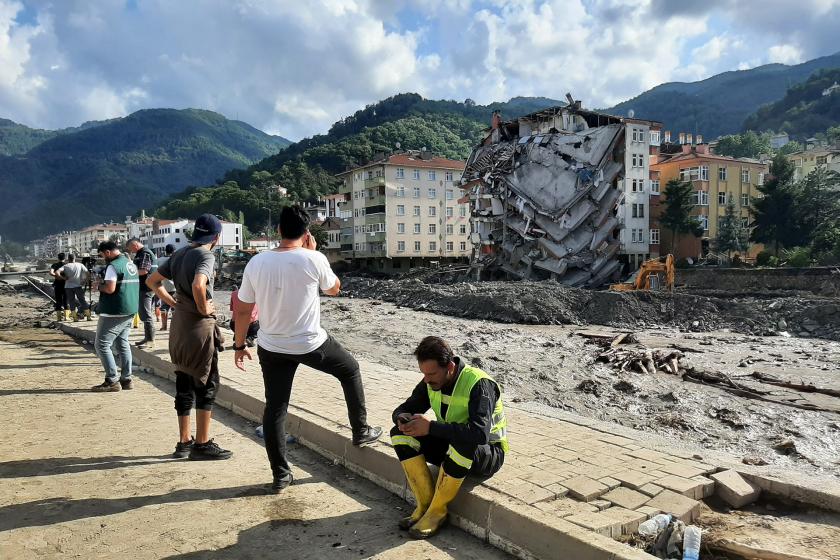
325 438
683 508
584 488
601 504
682 470
633 479
733 489
680 485
558 490
626 498
599 523
707 488
649 511
650 489
564 507
628 519
610 482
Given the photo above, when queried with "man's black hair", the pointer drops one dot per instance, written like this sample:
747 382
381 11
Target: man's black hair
169 249
107 246
71 258
133 240
434 348
61 256
293 222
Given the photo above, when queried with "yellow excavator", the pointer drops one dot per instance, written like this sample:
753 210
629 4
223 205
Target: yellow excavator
655 274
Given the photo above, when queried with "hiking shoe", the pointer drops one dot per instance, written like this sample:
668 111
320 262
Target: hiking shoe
281 483
183 448
126 384
146 344
106 387
368 435
209 451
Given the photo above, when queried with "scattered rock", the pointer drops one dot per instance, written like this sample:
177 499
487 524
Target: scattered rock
589 386
785 447
626 387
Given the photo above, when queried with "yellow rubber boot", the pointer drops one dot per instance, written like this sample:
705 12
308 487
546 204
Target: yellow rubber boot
436 516
87 314
74 315
59 315
136 322
422 486
66 314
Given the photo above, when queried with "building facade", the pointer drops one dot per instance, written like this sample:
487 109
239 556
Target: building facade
642 139
403 211
806 161
716 180
86 240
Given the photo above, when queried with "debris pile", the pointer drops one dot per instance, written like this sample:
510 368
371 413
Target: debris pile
643 360
543 192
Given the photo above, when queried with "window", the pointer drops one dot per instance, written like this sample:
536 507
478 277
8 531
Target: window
701 198
463 245
654 237
798 162
362 193
704 221
633 236
400 173
654 185
178 240
357 246
432 245
449 211
356 195
400 246
722 173
638 160
760 179
450 229
432 228
462 211
745 200
448 176
463 229
401 191
370 174
450 246
745 175
654 137
432 192
721 198
416 174
822 160
638 210
431 175
401 227
704 172
416 210
417 228
400 210
432 211
416 246
416 192
450 194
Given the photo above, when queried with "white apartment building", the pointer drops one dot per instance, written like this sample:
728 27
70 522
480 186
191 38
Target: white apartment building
231 238
402 211
177 233
88 239
642 139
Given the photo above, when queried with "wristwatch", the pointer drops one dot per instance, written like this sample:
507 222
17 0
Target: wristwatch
239 348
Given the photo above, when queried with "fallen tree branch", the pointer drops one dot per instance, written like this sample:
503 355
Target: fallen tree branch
803 387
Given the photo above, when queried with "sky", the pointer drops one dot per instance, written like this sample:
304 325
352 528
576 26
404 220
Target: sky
293 68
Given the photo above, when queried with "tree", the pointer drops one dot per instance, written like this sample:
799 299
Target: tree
791 147
774 220
321 236
817 205
731 233
745 145
677 215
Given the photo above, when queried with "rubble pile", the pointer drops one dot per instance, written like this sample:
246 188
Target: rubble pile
644 360
543 192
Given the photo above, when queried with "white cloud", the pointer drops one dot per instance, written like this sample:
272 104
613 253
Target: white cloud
785 54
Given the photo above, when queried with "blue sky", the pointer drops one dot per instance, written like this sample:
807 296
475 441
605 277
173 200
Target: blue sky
293 68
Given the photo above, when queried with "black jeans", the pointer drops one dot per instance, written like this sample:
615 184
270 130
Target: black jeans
487 459
60 297
191 391
278 374
147 314
253 328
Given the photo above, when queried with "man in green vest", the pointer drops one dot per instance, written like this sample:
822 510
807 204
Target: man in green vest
468 437
119 295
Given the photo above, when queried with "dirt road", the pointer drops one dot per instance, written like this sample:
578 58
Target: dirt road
90 475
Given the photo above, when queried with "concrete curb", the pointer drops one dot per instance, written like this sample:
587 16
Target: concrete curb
517 528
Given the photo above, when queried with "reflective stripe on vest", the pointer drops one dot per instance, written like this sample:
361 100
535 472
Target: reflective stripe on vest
458 405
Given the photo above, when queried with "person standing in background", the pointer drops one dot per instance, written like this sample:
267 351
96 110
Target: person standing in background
169 286
146 263
61 311
76 277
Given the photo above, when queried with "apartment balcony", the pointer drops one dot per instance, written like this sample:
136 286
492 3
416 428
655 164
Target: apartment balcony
377 200
374 237
374 219
375 182
346 188
369 254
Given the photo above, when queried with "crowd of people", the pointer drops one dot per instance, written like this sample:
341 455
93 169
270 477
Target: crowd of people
467 437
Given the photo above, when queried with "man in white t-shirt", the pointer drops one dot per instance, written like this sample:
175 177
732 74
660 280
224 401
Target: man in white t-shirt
284 284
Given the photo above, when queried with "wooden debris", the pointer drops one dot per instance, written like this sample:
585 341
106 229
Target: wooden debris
643 360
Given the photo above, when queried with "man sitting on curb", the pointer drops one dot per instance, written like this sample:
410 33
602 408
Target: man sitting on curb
468 437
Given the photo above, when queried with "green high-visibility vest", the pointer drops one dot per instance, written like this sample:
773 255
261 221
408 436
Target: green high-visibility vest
458 405
126 298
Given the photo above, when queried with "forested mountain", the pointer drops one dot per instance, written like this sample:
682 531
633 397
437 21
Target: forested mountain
804 110
307 168
107 170
720 104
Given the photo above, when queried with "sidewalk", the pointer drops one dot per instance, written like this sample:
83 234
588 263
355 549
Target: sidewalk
566 485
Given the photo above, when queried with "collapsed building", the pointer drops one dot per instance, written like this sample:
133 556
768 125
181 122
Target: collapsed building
543 191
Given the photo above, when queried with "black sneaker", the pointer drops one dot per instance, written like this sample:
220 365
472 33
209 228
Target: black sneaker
368 435
106 387
208 452
183 448
146 344
281 483
126 384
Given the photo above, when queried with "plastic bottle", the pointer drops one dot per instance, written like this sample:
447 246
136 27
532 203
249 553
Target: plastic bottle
691 543
260 431
652 526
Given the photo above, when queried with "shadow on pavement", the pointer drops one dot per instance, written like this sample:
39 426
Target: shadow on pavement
64 465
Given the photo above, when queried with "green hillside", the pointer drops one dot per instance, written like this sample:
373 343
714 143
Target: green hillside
111 169
719 105
18 139
306 169
804 110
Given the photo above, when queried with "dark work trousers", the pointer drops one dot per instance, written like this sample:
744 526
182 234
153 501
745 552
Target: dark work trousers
253 329
191 391
60 297
76 298
487 459
147 314
278 374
